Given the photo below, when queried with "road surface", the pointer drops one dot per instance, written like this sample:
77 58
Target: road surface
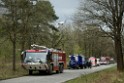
56 78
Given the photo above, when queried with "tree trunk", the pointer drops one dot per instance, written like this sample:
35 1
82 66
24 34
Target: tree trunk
22 45
14 52
119 54
85 49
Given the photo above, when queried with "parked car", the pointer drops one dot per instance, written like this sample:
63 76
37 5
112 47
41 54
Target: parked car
104 62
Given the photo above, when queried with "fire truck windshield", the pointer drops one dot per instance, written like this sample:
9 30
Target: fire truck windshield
37 57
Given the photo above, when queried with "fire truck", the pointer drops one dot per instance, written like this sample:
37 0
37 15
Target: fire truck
41 58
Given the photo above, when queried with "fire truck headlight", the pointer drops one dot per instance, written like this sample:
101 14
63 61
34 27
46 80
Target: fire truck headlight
46 66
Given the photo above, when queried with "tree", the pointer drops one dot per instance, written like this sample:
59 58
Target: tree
36 22
10 22
92 42
108 15
21 24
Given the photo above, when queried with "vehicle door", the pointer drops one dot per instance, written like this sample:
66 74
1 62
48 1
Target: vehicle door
55 60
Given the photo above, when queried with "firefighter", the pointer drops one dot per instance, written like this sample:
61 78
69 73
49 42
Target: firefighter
89 64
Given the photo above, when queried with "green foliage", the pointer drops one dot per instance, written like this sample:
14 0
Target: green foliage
90 42
29 22
25 23
77 49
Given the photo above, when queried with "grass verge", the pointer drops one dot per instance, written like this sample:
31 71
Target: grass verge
7 73
106 76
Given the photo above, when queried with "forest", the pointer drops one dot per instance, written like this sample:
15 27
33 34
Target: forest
24 23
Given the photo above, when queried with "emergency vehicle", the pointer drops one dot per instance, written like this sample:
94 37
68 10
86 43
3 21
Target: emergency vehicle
41 58
93 61
77 61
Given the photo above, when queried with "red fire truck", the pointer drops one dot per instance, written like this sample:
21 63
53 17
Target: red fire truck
41 58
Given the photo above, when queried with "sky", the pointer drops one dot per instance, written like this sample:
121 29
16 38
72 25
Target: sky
65 9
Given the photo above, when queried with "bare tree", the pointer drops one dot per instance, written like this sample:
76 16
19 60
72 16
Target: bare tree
108 15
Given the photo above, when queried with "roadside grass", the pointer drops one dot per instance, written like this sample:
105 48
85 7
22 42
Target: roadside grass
6 71
106 76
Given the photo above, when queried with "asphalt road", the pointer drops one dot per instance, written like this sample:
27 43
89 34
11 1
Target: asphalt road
56 78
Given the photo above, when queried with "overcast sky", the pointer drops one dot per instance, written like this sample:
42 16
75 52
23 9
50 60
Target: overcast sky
65 8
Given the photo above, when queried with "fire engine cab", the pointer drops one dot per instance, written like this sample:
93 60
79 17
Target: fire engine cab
41 58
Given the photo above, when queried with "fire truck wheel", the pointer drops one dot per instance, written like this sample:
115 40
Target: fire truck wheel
57 71
30 72
61 68
50 70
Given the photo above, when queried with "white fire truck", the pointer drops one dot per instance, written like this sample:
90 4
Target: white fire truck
41 58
